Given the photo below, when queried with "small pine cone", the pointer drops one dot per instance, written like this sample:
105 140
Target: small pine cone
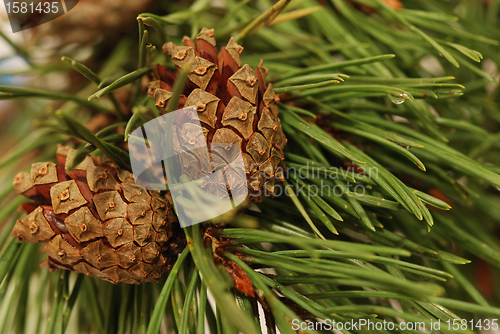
234 105
95 220
396 4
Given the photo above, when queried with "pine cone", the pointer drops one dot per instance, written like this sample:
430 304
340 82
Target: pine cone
234 105
97 221
396 4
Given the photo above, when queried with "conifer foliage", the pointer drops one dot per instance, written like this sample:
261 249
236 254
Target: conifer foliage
386 210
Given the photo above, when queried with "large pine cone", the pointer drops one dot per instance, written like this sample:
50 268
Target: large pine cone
97 221
234 104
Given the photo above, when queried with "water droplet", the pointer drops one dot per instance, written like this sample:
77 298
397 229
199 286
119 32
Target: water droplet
397 99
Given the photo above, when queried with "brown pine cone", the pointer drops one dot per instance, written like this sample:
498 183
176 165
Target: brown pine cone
97 221
234 105
396 4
